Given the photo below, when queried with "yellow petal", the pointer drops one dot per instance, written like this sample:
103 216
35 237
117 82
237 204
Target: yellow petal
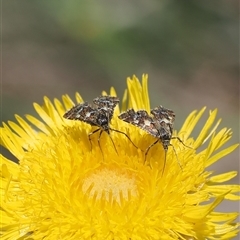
191 122
224 177
220 155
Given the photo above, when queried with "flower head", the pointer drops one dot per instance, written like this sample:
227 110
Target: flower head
63 187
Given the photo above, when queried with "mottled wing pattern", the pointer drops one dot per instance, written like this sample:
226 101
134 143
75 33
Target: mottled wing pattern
100 115
128 116
140 119
106 105
164 119
162 114
106 102
83 112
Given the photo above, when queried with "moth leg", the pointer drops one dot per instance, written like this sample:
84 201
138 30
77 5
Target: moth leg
99 141
113 142
125 136
165 160
179 139
147 150
180 165
89 136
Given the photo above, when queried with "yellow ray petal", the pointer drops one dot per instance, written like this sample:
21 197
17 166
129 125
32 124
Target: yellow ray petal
191 122
224 177
220 155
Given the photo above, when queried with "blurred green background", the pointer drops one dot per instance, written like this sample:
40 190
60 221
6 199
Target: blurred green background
190 49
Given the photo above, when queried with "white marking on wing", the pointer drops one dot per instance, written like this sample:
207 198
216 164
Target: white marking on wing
147 122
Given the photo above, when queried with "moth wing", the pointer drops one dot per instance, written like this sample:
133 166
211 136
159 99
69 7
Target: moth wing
140 119
82 112
162 114
128 116
108 102
164 119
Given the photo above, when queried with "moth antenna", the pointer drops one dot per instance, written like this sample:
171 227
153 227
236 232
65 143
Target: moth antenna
125 136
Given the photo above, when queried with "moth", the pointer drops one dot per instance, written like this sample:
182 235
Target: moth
99 115
159 124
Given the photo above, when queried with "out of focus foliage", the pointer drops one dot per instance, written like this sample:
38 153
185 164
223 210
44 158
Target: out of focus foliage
188 48
174 36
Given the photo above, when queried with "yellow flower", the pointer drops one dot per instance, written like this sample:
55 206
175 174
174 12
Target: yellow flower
62 188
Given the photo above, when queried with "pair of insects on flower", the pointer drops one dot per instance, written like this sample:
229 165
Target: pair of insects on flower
159 124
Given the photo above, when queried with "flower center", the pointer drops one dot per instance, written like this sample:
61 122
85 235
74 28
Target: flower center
111 184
